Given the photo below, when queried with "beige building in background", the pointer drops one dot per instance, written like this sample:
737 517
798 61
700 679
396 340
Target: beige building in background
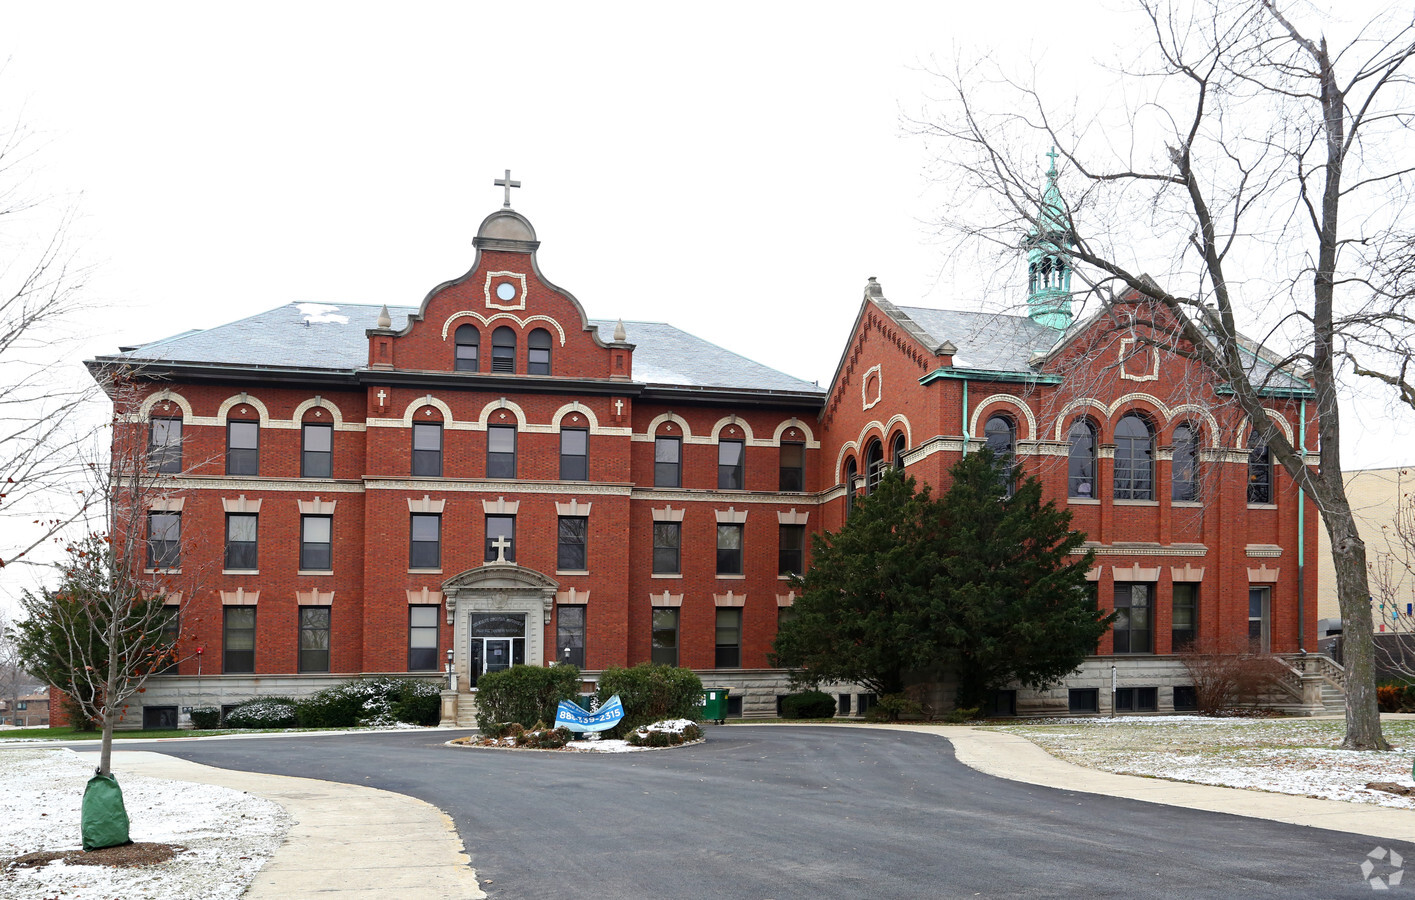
1377 496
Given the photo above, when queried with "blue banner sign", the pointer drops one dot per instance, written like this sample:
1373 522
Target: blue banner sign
576 719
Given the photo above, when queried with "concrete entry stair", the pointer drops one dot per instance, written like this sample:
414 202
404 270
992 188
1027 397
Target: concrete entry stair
466 711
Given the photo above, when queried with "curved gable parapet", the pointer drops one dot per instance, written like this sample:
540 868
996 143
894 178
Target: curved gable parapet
498 576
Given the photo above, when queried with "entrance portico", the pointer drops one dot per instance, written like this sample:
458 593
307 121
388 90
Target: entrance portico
498 613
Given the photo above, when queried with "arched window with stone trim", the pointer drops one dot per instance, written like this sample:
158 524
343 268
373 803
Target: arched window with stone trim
1260 470
1134 459
874 465
538 352
896 452
1000 436
1184 468
468 342
1081 460
503 350
852 473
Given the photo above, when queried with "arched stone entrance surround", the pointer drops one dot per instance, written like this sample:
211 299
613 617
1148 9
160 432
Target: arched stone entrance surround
497 588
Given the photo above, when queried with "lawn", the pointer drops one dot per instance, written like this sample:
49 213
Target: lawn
1288 756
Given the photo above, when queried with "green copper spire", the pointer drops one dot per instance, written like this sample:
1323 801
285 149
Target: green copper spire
1048 265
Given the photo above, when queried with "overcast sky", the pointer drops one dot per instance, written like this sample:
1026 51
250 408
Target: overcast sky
738 170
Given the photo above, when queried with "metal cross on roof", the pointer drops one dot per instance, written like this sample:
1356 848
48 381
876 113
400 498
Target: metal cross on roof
1052 153
508 184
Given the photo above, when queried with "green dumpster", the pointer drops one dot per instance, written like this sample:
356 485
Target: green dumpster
714 704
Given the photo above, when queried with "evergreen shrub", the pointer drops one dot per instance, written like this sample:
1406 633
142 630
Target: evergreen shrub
205 717
650 694
808 705
372 701
523 694
264 712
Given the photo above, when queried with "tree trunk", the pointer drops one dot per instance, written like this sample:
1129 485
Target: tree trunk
1363 717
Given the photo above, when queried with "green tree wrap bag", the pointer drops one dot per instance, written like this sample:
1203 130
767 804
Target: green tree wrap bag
105 820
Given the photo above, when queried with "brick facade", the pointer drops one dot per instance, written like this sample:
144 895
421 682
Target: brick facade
894 379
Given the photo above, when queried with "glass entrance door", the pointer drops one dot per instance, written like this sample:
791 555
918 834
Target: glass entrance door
497 642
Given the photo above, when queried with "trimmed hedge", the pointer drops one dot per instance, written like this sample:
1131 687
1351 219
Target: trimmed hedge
808 705
206 717
372 701
264 712
651 694
363 701
526 695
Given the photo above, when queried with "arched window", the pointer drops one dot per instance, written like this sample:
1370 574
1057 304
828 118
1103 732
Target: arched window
874 465
503 350
538 352
1260 471
852 472
896 453
1184 471
1134 459
1001 437
468 343
1081 460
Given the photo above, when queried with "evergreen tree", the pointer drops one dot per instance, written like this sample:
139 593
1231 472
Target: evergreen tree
980 586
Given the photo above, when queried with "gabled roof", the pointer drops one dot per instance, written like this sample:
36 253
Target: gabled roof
330 338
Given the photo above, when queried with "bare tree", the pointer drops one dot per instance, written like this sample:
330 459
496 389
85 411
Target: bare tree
109 623
42 430
1259 175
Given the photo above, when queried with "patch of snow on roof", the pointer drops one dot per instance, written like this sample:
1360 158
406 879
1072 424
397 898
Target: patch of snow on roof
320 314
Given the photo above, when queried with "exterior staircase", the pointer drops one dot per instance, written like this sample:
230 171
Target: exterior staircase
466 712
1312 685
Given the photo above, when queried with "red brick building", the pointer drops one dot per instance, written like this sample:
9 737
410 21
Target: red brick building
494 477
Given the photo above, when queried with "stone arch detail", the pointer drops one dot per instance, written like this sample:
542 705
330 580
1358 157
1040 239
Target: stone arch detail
230 403
1012 402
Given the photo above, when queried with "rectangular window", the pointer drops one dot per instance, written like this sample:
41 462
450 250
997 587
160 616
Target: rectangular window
784 614
422 638
570 553
427 449
166 662
425 545
667 462
1136 699
570 635
164 540
730 469
241 541
314 639
729 549
729 638
238 640
791 554
666 539
316 543
1185 628
164 445
1083 700
1185 697
574 454
1259 600
1133 623
317 451
793 468
501 451
242 448
665 636
500 536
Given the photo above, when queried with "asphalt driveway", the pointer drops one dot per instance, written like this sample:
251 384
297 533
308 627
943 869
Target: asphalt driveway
776 813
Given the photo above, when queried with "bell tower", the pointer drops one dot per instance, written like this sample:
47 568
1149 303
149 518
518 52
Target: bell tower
1048 264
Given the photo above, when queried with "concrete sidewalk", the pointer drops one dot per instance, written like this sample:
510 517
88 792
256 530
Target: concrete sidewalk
1014 757
347 841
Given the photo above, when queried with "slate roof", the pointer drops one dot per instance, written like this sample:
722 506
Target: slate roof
991 342
325 337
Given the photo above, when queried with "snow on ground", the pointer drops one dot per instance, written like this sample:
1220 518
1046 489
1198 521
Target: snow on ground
228 834
1285 756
